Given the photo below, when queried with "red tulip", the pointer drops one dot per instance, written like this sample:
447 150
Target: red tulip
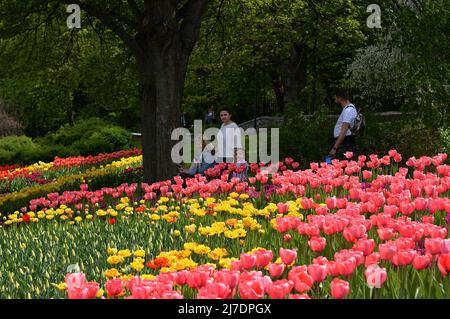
404 257
422 262
444 264
433 246
302 282
114 287
339 288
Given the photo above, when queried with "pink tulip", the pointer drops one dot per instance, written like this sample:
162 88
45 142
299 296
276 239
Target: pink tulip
282 208
421 262
387 251
214 290
75 280
181 277
248 260
297 296
317 244
372 259
433 246
263 258
288 256
197 278
228 277
251 289
375 276
339 288
302 281
346 267
318 272
276 270
114 287
385 233
279 289
365 245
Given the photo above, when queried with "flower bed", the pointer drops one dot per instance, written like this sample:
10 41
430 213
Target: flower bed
365 229
14 178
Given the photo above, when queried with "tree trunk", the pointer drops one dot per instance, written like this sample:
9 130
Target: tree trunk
278 89
296 70
161 77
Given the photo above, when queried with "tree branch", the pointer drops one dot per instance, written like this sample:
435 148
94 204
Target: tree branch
190 18
108 21
136 11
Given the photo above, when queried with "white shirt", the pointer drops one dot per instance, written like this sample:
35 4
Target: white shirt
348 115
204 157
229 139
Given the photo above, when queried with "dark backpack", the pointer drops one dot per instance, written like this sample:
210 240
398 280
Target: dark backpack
359 122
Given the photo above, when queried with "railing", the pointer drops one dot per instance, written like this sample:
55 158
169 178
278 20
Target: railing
265 121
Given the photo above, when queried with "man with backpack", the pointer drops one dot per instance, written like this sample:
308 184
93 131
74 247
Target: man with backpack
348 125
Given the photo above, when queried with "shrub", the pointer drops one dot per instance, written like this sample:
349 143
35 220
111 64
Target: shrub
107 139
306 138
444 134
20 150
88 137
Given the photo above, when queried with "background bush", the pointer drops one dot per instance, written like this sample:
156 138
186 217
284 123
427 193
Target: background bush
306 139
88 137
21 149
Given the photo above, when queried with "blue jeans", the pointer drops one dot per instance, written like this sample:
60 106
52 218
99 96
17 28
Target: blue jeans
200 169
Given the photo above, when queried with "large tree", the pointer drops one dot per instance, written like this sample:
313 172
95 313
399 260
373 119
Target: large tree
160 34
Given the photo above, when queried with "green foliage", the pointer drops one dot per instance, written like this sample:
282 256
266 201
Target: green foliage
444 140
88 137
409 136
251 49
59 75
107 139
407 66
306 139
21 149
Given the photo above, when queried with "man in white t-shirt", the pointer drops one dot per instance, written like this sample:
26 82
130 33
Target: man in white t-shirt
343 139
